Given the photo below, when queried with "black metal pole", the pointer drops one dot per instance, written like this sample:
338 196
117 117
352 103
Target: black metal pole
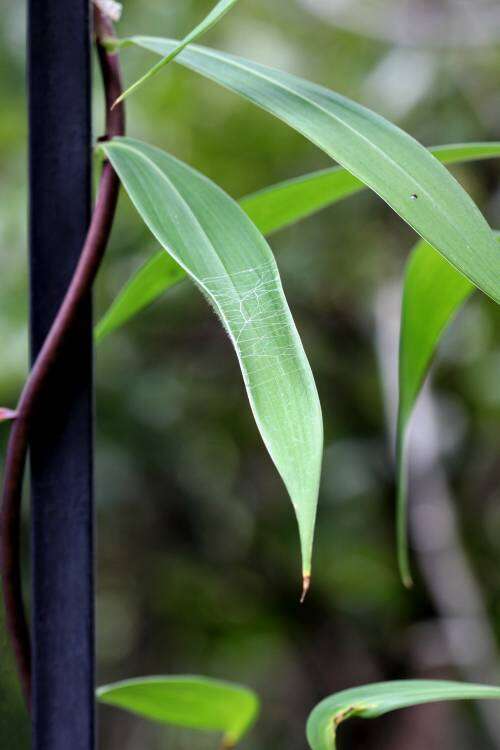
61 438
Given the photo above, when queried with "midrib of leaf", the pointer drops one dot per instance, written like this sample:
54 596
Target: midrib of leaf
305 98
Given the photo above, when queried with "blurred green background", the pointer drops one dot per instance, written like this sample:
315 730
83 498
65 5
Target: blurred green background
198 558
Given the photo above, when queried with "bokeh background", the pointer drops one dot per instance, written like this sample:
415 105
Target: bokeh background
198 559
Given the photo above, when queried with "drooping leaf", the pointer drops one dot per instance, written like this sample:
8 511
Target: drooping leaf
215 15
190 702
371 701
433 293
270 209
377 152
215 242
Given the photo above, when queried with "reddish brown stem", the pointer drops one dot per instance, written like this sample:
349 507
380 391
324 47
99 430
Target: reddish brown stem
79 289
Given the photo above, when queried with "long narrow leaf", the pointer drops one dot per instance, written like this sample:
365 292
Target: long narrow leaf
371 701
377 152
150 281
433 293
215 15
215 242
280 205
270 209
190 702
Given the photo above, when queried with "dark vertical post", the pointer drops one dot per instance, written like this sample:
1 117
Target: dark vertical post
61 439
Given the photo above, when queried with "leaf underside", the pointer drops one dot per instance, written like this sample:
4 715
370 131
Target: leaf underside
217 245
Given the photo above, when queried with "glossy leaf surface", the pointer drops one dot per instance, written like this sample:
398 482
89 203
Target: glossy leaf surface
190 702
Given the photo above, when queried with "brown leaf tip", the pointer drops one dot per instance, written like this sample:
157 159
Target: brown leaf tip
408 582
7 414
110 8
306 582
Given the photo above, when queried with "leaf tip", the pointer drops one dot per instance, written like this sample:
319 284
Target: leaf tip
118 101
407 581
306 583
404 569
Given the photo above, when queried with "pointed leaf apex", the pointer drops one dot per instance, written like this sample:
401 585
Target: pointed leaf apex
408 581
306 582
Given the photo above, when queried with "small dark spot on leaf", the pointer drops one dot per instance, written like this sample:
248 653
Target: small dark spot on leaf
414 196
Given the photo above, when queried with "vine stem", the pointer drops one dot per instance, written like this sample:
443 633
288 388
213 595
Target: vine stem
80 287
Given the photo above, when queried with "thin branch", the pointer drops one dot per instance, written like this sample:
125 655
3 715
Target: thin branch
79 289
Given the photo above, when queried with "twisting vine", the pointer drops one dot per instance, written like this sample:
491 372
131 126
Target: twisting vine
79 288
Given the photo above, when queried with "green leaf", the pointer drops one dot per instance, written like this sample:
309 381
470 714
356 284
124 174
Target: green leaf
280 205
371 701
190 702
433 293
270 209
215 15
152 279
378 153
211 237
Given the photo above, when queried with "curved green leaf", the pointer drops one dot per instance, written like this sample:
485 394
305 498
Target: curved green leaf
209 235
371 701
149 282
433 293
280 205
270 209
215 15
377 152
190 702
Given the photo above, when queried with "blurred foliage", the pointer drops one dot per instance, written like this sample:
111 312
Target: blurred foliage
198 562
